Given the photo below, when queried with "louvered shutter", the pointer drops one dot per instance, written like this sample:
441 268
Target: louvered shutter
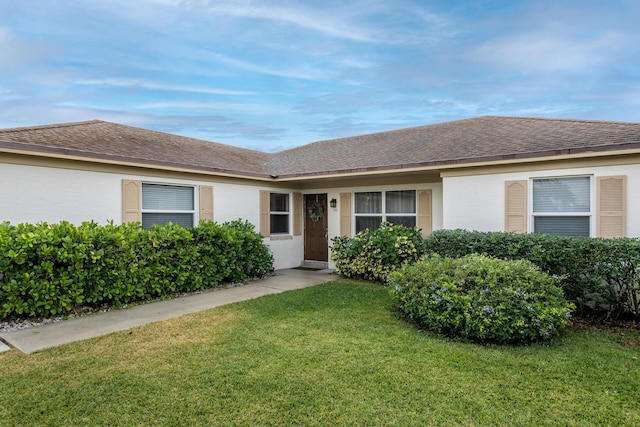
516 206
611 206
205 193
345 214
131 201
297 214
265 210
425 216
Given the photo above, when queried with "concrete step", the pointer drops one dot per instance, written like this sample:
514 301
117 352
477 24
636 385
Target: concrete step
318 265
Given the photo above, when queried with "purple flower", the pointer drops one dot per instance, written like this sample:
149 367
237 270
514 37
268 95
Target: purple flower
569 316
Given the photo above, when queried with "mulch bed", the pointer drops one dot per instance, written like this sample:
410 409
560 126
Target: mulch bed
628 331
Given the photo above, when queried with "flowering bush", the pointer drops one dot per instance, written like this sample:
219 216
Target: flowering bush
483 299
375 254
600 274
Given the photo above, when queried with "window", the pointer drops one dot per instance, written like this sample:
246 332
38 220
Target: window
368 210
279 213
372 208
167 203
562 206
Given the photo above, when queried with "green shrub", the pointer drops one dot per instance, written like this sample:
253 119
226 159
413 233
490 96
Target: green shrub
230 252
165 258
38 267
553 254
482 299
253 258
375 254
112 273
52 269
609 276
600 274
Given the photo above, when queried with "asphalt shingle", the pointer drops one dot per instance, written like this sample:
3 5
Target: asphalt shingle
460 142
457 142
103 140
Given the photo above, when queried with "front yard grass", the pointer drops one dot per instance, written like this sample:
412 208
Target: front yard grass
332 354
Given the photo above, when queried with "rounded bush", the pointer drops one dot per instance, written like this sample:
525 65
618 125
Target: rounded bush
374 254
482 299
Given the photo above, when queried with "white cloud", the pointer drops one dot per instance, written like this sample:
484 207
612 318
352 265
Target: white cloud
17 52
298 72
368 21
541 51
244 108
329 23
145 84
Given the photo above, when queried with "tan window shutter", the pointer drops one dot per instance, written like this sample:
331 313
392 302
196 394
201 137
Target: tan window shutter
265 213
516 206
611 206
131 201
345 214
425 216
205 193
297 214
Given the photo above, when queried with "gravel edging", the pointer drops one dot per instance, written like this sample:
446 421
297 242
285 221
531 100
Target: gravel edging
17 323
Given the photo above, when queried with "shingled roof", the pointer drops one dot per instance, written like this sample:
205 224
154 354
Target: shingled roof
461 142
96 139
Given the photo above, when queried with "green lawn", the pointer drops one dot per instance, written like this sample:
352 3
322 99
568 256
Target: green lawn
333 354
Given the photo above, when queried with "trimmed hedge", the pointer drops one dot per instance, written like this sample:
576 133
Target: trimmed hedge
600 274
48 269
375 254
481 298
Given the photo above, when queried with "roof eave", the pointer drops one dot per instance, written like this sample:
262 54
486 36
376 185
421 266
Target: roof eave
77 155
508 159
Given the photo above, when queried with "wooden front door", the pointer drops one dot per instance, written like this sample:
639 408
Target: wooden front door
316 244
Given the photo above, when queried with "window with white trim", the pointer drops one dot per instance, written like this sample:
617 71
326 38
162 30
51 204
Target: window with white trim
167 203
562 205
374 207
279 213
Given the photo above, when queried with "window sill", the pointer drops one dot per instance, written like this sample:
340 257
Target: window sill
281 237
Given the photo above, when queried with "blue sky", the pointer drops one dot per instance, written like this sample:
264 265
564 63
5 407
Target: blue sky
270 75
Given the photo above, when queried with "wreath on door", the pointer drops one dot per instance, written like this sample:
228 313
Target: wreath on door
316 212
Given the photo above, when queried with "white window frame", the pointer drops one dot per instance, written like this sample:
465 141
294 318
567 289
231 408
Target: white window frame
170 211
286 213
383 214
592 203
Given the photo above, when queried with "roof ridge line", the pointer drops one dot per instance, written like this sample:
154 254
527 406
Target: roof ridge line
51 126
556 119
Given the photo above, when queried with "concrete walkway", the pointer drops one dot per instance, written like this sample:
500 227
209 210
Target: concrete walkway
80 328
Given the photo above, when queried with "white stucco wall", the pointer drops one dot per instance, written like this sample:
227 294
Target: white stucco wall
287 253
477 202
32 194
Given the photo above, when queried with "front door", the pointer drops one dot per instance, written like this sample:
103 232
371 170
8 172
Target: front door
316 245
